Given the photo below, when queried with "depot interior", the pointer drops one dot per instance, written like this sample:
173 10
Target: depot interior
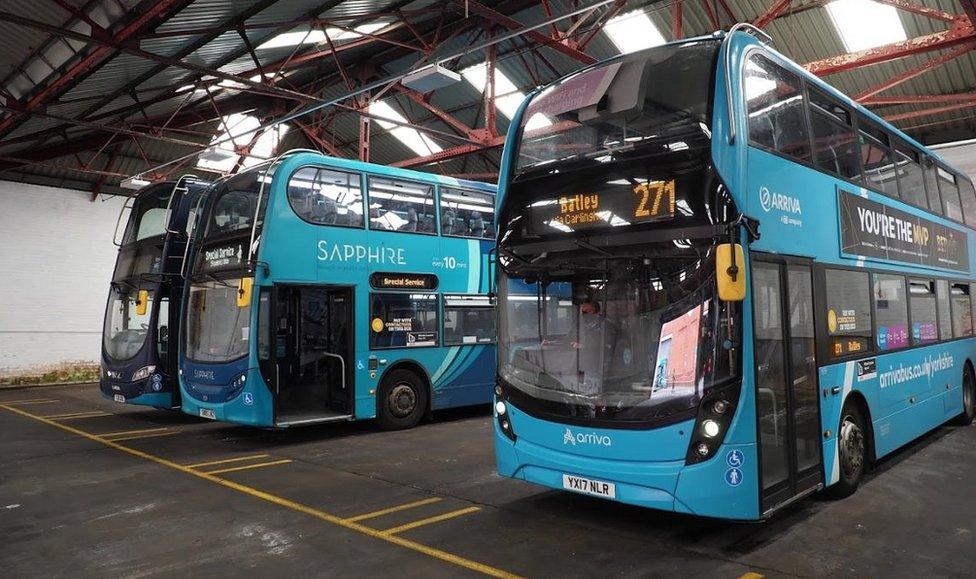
99 98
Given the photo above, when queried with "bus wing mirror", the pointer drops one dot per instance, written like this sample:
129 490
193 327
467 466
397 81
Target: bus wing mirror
244 292
730 272
142 302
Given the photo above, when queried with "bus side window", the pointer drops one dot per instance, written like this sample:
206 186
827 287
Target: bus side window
162 327
925 319
945 314
967 195
467 213
775 104
848 312
932 186
834 140
264 325
468 320
891 312
911 182
962 320
950 194
398 205
879 167
327 197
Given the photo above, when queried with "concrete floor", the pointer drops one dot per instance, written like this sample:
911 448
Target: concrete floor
76 506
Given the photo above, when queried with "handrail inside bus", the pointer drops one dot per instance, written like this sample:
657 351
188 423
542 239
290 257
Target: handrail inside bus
342 366
765 39
172 193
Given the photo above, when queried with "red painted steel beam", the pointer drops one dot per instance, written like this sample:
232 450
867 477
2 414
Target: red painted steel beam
916 71
919 9
441 114
763 20
915 99
930 111
94 59
534 35
969 8
961 32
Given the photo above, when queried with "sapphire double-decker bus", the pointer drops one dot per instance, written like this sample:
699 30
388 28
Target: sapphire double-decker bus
138 359
325 289
722 284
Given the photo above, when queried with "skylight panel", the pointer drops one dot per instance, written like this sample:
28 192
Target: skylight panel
316 36
508 97
415 140
265 146
864 24
633 31
234 124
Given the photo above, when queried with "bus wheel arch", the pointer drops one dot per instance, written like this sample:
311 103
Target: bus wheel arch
855 446
965 418
401 376
858 398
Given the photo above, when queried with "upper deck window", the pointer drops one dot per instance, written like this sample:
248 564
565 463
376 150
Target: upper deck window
235 203
327 197
398 205
834 141
641 103
775 103
879 167
911 180
950 194
932 186
467 213
967 195
148 213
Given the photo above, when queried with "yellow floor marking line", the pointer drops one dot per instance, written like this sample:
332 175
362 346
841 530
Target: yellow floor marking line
148 435
280 501
89 414
248 466
33 401
395 509
226 460
751 575
127 432
430 520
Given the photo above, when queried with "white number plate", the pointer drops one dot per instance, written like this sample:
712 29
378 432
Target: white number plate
120 398
207 413
589 486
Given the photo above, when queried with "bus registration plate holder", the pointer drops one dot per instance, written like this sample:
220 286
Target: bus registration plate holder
590 486
120 399
207 413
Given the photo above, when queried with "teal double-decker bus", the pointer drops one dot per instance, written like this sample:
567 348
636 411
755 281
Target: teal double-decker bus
324 289
723 285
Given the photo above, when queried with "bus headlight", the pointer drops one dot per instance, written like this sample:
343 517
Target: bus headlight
714 419
500 407
143 373
710 428
501 414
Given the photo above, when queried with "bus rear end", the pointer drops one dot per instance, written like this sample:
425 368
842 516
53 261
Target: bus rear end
620 369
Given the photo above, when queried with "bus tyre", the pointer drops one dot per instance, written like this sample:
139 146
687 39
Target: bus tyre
402 400
852 451
968 398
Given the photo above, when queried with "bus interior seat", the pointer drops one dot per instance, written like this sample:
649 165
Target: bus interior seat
476 224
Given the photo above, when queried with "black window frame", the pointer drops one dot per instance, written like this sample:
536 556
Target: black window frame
446 305
901 148
930 286
804 109
966 290
815 109
434 204
874 311
362 195
440 210
825 338
438 342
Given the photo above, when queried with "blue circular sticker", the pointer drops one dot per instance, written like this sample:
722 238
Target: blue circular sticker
733 477
248 398
157 382
734 458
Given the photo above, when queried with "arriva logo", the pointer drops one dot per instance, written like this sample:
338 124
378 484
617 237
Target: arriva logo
770 201
586 438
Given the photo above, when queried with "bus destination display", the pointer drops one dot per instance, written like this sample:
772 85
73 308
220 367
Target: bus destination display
614 207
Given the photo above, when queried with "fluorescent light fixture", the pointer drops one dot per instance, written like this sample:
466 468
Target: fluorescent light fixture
416 141
508 97
134 182
317 36
633 31
863 24
430 78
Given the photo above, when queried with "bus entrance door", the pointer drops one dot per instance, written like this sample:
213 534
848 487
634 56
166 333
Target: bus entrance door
314 327
788 408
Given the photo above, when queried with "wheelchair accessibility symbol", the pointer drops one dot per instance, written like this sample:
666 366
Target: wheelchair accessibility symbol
733 477
248 399
734 458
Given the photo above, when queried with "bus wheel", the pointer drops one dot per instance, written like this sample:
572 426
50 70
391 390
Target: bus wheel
968 398
852 451
402 400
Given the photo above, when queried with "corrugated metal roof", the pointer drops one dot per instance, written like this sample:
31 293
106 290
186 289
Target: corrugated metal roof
804 36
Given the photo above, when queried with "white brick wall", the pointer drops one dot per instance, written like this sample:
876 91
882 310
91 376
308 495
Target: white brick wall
57 257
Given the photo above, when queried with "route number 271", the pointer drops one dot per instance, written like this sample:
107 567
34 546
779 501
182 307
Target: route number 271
654 199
